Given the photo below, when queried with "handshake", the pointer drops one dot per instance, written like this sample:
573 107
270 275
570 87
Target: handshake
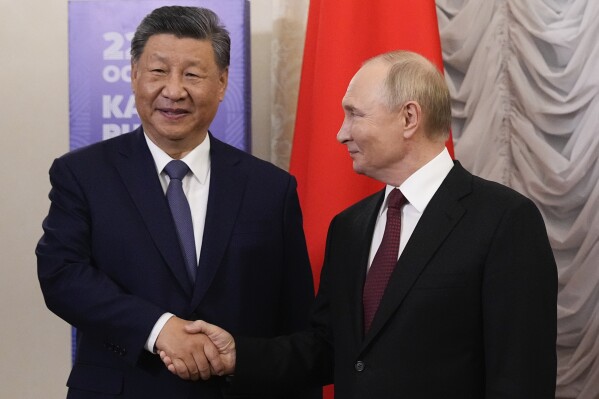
196 350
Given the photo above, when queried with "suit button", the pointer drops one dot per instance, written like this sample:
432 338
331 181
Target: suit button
359 366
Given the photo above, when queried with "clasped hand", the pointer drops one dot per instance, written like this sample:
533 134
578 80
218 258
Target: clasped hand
196 350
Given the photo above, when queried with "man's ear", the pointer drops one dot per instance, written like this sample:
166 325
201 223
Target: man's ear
411 118
223 80
133 76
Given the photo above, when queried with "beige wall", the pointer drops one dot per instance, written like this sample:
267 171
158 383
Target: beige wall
35 344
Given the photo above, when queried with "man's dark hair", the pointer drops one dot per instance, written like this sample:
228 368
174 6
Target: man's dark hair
193 22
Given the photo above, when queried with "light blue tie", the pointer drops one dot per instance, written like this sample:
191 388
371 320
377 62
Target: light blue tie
181 212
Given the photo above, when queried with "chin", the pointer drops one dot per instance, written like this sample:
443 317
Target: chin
358 169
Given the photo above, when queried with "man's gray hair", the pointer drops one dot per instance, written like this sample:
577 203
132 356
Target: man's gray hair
412 77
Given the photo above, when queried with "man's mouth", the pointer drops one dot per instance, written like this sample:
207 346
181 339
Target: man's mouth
173 112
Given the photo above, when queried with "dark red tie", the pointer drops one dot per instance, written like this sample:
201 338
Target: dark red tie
385 259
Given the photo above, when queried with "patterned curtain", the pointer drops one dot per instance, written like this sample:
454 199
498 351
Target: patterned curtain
524 80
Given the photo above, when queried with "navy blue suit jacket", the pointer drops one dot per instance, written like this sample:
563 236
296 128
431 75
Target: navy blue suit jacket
109 262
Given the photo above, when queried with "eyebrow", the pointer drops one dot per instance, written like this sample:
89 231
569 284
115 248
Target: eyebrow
164 59
348 107
157 57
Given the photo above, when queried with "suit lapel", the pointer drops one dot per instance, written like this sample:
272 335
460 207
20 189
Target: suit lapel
134 163
227 185
438 220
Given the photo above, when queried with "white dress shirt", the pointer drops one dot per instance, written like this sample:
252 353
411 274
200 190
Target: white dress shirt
418 189
195 187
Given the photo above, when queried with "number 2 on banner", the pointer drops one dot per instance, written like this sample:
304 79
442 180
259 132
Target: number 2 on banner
117 40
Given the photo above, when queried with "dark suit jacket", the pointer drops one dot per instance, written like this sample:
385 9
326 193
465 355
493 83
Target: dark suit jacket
109 262
469 312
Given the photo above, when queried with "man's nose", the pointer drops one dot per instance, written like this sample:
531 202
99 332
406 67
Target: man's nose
174 89
343 133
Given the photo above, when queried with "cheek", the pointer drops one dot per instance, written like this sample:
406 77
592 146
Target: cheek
388 153
146 90
376 153
208 97
364 139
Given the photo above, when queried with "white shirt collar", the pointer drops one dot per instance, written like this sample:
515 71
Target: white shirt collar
420 187
198 159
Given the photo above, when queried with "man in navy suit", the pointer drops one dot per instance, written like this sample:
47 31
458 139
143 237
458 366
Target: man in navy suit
111 262
469 308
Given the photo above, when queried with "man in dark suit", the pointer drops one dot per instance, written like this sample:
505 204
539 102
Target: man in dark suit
113 260
468 308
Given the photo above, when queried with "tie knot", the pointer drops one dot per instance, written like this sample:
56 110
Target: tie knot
176 169
396 199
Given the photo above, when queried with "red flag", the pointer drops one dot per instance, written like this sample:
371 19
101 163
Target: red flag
340 37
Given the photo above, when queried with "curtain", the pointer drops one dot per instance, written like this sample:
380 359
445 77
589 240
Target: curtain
524 81
289 33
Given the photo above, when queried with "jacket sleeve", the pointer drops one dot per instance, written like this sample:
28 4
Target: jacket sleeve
287 363
74 288
519 296
297 290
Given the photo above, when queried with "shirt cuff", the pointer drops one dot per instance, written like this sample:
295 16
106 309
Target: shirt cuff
151 342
